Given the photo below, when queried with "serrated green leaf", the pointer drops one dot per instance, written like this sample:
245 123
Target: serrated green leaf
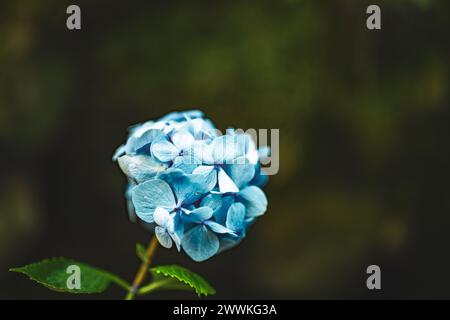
141 252
54 274
177 277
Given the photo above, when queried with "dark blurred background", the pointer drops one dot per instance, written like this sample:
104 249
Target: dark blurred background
364 128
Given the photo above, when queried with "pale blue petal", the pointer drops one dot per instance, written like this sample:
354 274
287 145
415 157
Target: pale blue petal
137 130
201 151
235 217
131 212
188 208
185 163
185 191
162 217
141 139
225 182
182 140
164 150
206 176
149 195
205 170
225 149
188 188
264 152
202 129
177 240
245 145
241 172
119 152
250 150
130 207
214 201
194 154
200 243
217 228
176 230
255 201
163 237
198 215
140 167
172 126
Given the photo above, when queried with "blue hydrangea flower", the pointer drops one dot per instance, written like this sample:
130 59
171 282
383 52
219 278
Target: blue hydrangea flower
191 185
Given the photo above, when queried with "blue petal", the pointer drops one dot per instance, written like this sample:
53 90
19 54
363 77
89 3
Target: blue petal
201 129
163 237
200 243
171 174
214 201
260 179
141 139
235 217
221 215
176 230
164 150
219 204
207 176
201 151
226 148
250 149
140 167
190 188
149 195
180 183
131 213
225 182
249 221
217 228
241 172
255 201
185 163
198 215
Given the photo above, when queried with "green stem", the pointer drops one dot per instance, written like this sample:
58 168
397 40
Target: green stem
143 269
153 286
119 281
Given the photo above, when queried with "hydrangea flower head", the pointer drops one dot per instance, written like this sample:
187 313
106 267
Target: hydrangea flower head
193 187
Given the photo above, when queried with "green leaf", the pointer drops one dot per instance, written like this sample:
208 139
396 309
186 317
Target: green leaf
170 277
54 274
141 252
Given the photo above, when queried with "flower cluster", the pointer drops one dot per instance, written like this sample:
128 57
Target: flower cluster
195 187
